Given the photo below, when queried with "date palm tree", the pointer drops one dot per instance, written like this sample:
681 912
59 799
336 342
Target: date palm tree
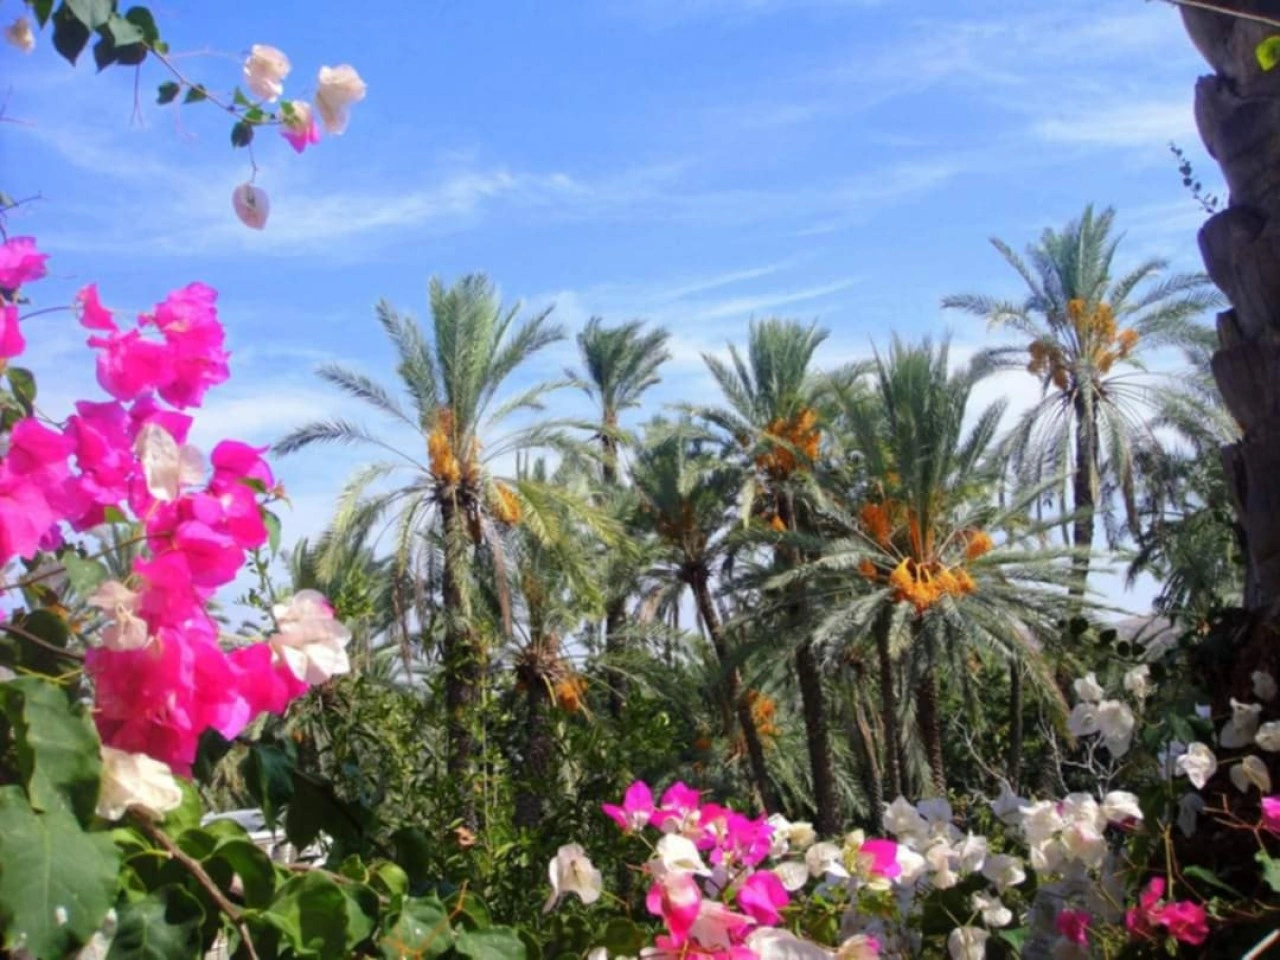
445 437
773 433
1084 331
619 364
945 571
685 498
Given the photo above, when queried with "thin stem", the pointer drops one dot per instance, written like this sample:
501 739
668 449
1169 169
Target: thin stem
52 648
28 581
198 872
1226 11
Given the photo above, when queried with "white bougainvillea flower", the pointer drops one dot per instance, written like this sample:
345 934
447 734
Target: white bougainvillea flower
1041 820
911 866
1251 772
1268 736
598 953
1083 720
994 912
20 35
571 872
252 205
1198 764
1121 806
1138 681
776 943
1264 685
677 853
779 837
972 851
337 88
125 631
942 861
1083 841
134 781
1008 806
1088 690
825 858
1240 729
793 874
801 835
1004 871
166 466
904 821
1189 807
264 72
967 943
1115 723
309 640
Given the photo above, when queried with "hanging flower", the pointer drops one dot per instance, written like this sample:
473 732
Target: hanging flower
252 205
571 871
337 89
1198 764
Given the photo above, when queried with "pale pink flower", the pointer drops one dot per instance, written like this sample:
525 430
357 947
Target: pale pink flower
20 35
299 126
337 89
264 72
252 205
135 781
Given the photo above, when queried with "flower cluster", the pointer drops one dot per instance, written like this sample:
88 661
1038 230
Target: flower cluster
161 674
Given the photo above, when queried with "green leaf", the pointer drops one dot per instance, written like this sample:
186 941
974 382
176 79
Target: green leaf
188 813
195 94
254 868
1208 876
362 912
167 92
1268 52
389 880
240 100
92 13
1270 870
162 926
141 18
23 384
268 773
83 575
422 931
496 943
272 523
623 938
50 628
471 910
57 748
311 912
57 882
123 32
242 134
42 9
69 34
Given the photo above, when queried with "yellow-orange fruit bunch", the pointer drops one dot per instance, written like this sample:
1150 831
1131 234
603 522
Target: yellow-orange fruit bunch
570 692
800 432
444 463
924 584
506 505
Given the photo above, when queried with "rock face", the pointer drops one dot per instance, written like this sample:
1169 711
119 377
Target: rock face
1238 114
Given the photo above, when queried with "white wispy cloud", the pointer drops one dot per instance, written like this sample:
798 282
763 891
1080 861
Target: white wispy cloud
1123 123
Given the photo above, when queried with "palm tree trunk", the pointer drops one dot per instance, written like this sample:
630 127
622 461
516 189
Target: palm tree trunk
1015 724
461 662
1238 113
930 724
732 693
888 704
1082 491
530 796
864 745
615 619
813 703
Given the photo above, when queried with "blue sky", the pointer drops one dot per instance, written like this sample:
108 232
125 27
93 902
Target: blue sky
695 162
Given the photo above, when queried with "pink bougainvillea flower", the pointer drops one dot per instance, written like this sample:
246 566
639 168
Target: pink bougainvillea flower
762 896
25 515
1271 814
881 857
234 462
678 809
20 262
1140 920
12 342
717 927
1186 921
129 365
675 898
93 315
146 410
636 810
299 126
1074 925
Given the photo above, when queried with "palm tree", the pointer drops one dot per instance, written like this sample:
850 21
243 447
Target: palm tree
923 544
774 435
620 363
685 497
1085 332
449 504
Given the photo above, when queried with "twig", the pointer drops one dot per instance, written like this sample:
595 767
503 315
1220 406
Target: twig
40 642
196 870
1226 11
